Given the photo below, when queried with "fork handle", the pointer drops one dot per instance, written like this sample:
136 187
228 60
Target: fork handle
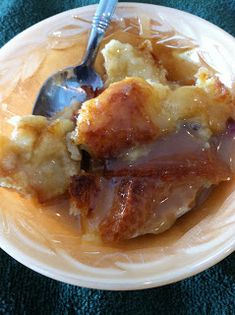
100 23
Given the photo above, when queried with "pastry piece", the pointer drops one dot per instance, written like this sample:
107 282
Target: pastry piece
119 118
133 112
122 60
146 192
39 158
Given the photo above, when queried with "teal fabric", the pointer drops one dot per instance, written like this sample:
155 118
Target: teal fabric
23 291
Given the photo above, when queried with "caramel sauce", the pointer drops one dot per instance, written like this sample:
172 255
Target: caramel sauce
24 94
146 189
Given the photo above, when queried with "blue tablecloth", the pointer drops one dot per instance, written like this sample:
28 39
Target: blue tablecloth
23 291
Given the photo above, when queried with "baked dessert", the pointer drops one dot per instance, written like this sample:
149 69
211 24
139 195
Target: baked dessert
40 158
132 159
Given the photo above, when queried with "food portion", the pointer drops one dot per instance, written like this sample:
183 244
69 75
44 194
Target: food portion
132 159
136 110
40 158
125 111
122 60
145 191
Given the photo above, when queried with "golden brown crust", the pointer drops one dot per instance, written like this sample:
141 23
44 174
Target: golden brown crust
83 191
138 191
133 112
133 205
117 119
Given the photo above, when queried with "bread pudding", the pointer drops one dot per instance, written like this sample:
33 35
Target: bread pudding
133 158
40 158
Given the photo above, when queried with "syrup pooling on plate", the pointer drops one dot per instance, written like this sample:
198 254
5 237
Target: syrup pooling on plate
131 175
152 185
